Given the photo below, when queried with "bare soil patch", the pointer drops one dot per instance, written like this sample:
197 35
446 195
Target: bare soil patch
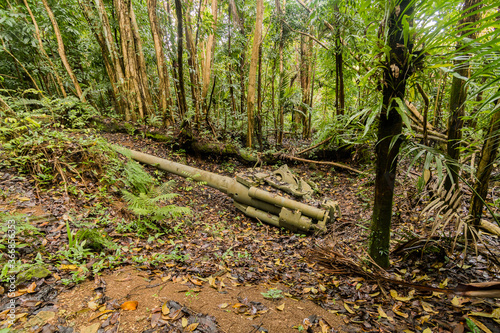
130 284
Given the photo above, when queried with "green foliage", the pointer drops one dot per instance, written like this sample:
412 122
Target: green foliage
273 294
174 255
77 249
95 240
146 206
472 326
71 112
136 177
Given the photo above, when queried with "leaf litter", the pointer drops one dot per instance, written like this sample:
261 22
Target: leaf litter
218 254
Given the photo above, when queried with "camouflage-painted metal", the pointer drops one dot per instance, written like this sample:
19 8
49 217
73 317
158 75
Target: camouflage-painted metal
272 208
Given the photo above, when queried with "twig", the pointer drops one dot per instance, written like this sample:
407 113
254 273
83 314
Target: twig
340 165
315 146
256 328
306 34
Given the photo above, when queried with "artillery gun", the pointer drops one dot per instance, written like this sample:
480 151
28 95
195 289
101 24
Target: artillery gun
272 207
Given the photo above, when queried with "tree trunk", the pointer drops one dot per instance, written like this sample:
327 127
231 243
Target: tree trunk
254 61
488 156
339 72
42 50
129 57
193 71
164 93
281 114
258 117
62 52
142 77
389 129
305 81
231 89
180 71
207 61
439 98
458 93
122 94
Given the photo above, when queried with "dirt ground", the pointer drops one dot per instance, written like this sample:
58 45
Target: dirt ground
129 284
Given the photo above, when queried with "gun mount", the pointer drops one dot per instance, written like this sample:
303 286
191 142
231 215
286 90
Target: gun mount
252 200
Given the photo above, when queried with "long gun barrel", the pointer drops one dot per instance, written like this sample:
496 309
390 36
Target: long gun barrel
254 202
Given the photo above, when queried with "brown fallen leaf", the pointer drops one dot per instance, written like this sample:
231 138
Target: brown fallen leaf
155 317
192 327
175 315
325 328
17 293
427 307
93 305
223 305
129 305
211 282
31 288
195 281
165 310
348 308
100 314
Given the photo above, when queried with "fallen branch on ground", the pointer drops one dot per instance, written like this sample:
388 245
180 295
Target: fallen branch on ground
340 165
334 261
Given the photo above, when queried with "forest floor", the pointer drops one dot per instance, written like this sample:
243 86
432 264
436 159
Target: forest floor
217 270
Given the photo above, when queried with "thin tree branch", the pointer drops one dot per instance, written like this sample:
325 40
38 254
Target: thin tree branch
306 34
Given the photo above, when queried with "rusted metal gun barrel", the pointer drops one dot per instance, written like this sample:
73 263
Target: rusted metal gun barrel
265 206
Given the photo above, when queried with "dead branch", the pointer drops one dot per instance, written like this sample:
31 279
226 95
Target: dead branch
340 165
315 146
334 261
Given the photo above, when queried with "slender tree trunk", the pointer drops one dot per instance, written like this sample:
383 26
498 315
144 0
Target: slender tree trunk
142 76
207 61
305 81
309 129
458 93
193 72
42 50
163 91
253 71
129 57
273 102
62 52
389 128
117 65
172 50
258 117
439 99
339 72
180 71
231 89
281 113
489 154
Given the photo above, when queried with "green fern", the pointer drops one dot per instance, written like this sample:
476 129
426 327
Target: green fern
136 177
94 240
147 204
